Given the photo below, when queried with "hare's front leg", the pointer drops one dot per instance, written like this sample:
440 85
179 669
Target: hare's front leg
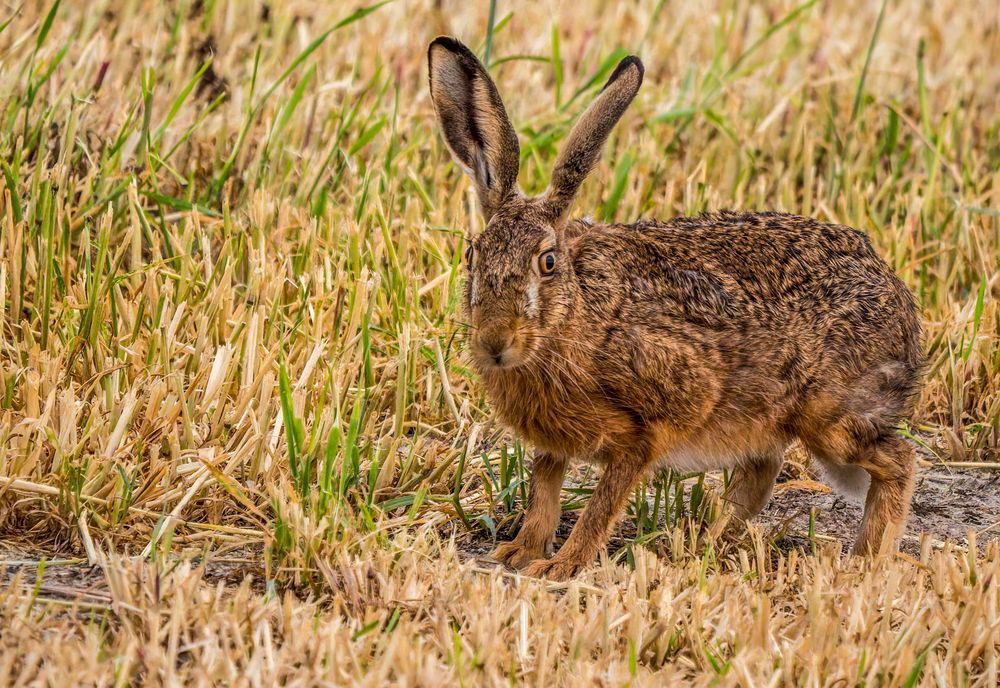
542 517
591 532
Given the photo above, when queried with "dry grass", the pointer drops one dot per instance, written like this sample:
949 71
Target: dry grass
410 613
230 248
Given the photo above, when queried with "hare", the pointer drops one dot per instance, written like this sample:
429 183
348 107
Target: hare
696 343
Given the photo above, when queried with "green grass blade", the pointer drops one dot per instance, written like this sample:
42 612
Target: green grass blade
859 92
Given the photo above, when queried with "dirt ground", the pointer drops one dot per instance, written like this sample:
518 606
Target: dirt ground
947 504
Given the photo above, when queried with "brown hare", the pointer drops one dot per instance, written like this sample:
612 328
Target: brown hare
696 343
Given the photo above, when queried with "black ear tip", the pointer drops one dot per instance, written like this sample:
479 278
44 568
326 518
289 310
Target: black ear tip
450 44
634 61
623 66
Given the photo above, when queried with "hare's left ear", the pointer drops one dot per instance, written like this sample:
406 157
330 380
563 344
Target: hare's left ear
474 121
583 146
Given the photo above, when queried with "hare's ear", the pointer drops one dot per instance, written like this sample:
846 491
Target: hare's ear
583 146
475 124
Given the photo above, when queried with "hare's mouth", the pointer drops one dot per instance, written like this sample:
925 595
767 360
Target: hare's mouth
494 354
511 357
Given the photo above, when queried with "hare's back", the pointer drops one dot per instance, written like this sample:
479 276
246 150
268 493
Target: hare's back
822 285
771 255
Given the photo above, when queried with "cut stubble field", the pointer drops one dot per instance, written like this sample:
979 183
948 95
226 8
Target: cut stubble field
240 439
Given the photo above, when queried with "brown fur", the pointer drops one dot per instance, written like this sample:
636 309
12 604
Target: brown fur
699 343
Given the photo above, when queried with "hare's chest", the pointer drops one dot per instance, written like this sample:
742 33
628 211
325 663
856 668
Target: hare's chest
558 418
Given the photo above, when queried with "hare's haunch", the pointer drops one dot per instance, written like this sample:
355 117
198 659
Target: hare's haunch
698 343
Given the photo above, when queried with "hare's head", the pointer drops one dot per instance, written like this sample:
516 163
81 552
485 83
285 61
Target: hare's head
520 286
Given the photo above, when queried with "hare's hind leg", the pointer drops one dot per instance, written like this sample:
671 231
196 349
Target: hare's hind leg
542 516
888 502
752 482
855 443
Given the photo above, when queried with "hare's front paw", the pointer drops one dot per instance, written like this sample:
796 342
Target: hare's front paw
515 554
553 569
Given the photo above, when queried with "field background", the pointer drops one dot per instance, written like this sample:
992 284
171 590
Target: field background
230 240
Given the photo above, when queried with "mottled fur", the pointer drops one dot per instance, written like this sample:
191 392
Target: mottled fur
698 343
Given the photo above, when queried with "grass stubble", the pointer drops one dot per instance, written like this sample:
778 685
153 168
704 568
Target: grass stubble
230 244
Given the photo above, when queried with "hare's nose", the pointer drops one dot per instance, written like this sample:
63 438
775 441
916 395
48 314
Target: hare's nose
495 344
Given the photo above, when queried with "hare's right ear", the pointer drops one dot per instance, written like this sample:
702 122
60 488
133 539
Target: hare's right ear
475 124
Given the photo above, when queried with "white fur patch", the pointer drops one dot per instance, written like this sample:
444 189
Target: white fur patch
725 447
531 298
693 459
848 480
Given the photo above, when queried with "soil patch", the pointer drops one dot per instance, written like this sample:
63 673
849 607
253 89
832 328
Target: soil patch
947 504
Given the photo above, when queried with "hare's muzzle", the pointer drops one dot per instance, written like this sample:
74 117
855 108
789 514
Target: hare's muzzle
495 347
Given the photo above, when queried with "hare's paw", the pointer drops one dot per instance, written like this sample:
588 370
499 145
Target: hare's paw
553 569
515 554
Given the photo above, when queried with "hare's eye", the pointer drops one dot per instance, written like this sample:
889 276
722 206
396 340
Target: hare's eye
468 254
547 263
